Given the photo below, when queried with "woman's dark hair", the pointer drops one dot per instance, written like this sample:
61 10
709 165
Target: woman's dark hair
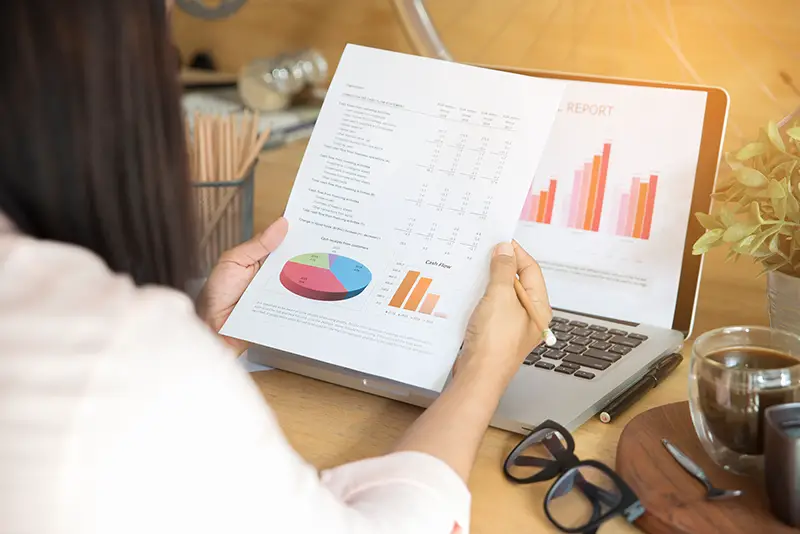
92 144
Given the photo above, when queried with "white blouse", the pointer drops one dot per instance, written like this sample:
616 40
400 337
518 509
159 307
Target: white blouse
120 412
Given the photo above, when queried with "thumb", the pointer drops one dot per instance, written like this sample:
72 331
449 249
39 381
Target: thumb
259 247
503 270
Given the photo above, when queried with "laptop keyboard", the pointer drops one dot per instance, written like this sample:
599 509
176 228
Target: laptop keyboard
583 350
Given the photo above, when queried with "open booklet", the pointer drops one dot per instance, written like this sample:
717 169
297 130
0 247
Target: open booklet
416 169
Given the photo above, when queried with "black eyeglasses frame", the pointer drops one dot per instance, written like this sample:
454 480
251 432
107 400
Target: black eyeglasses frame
565 461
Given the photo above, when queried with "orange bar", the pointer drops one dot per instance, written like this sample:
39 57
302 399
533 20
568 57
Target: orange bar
417 294
641 207
404 289
429 304
587 219
542 207
648 212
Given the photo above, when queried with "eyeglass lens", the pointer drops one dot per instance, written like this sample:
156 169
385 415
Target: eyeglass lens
537 451
582 495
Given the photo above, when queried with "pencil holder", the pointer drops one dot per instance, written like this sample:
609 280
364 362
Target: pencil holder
224 215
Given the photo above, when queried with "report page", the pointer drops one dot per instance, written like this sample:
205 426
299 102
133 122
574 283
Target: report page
416 169
607 213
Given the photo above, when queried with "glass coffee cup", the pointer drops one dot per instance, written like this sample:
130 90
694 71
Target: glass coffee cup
735 374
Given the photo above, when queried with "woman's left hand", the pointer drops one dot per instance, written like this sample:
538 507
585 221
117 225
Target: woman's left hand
236 269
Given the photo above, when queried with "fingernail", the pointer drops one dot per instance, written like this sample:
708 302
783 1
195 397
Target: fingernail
504 249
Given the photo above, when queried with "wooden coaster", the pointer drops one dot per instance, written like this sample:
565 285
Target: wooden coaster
674 500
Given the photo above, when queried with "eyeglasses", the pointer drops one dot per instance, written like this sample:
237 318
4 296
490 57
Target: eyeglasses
585 494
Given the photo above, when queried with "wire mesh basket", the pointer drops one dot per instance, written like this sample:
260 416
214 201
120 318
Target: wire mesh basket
225 216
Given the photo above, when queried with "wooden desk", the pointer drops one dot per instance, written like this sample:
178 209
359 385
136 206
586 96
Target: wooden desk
330 425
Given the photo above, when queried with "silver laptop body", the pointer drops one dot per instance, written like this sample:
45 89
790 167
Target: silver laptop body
538 392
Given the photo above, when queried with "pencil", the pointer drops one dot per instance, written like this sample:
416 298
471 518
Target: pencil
548 336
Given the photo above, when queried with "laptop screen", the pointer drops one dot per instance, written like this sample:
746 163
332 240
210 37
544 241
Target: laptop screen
610 204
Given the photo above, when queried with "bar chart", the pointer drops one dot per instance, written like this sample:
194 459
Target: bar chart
635 215
412 295
588 192
539 206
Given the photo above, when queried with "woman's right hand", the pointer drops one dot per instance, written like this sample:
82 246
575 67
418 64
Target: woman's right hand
501 333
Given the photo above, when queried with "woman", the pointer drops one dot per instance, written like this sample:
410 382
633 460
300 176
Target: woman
123 411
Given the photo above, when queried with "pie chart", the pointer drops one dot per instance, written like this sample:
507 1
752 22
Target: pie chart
322 276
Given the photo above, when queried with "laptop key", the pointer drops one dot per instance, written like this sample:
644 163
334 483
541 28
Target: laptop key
560 344
564 370
553 354
601 345
597 328
584 374
640 337
578 324
626 341
531 359
583 332
618 332
619 349
574 349
561 328
544 365
572 365
540 349
602 355
580 341
558 320
602 336
585 361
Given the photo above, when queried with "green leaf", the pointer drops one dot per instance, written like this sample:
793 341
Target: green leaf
794 133
775 246
732 162
709 222
707 241
744 245
783 169
751 150
732 256
728 219
779 205
751 177
738 232
776 190
775 136
760 238
755 213
768 268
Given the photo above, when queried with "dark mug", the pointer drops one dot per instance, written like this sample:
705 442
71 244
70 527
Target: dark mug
782 461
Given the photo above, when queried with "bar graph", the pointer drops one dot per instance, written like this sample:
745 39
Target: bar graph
635 215
412 294
539 206
588 192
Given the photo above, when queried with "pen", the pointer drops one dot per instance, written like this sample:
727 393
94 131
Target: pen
658 372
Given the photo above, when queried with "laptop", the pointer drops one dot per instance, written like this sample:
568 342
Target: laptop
609 217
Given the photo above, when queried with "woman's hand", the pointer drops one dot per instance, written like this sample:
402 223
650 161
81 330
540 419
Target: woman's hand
232 275
501 333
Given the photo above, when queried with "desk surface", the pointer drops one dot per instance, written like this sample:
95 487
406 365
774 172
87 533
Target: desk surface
330 425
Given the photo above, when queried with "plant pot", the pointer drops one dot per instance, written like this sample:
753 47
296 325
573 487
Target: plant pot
784 301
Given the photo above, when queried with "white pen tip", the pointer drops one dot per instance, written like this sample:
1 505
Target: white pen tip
549 338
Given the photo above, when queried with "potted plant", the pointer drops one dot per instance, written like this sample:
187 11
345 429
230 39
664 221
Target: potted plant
759 216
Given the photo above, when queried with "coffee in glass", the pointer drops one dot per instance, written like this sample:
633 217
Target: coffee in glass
735 375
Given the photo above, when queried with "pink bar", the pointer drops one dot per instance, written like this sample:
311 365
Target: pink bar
585 184
526 209
622 218
575 200
634 194
534 209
